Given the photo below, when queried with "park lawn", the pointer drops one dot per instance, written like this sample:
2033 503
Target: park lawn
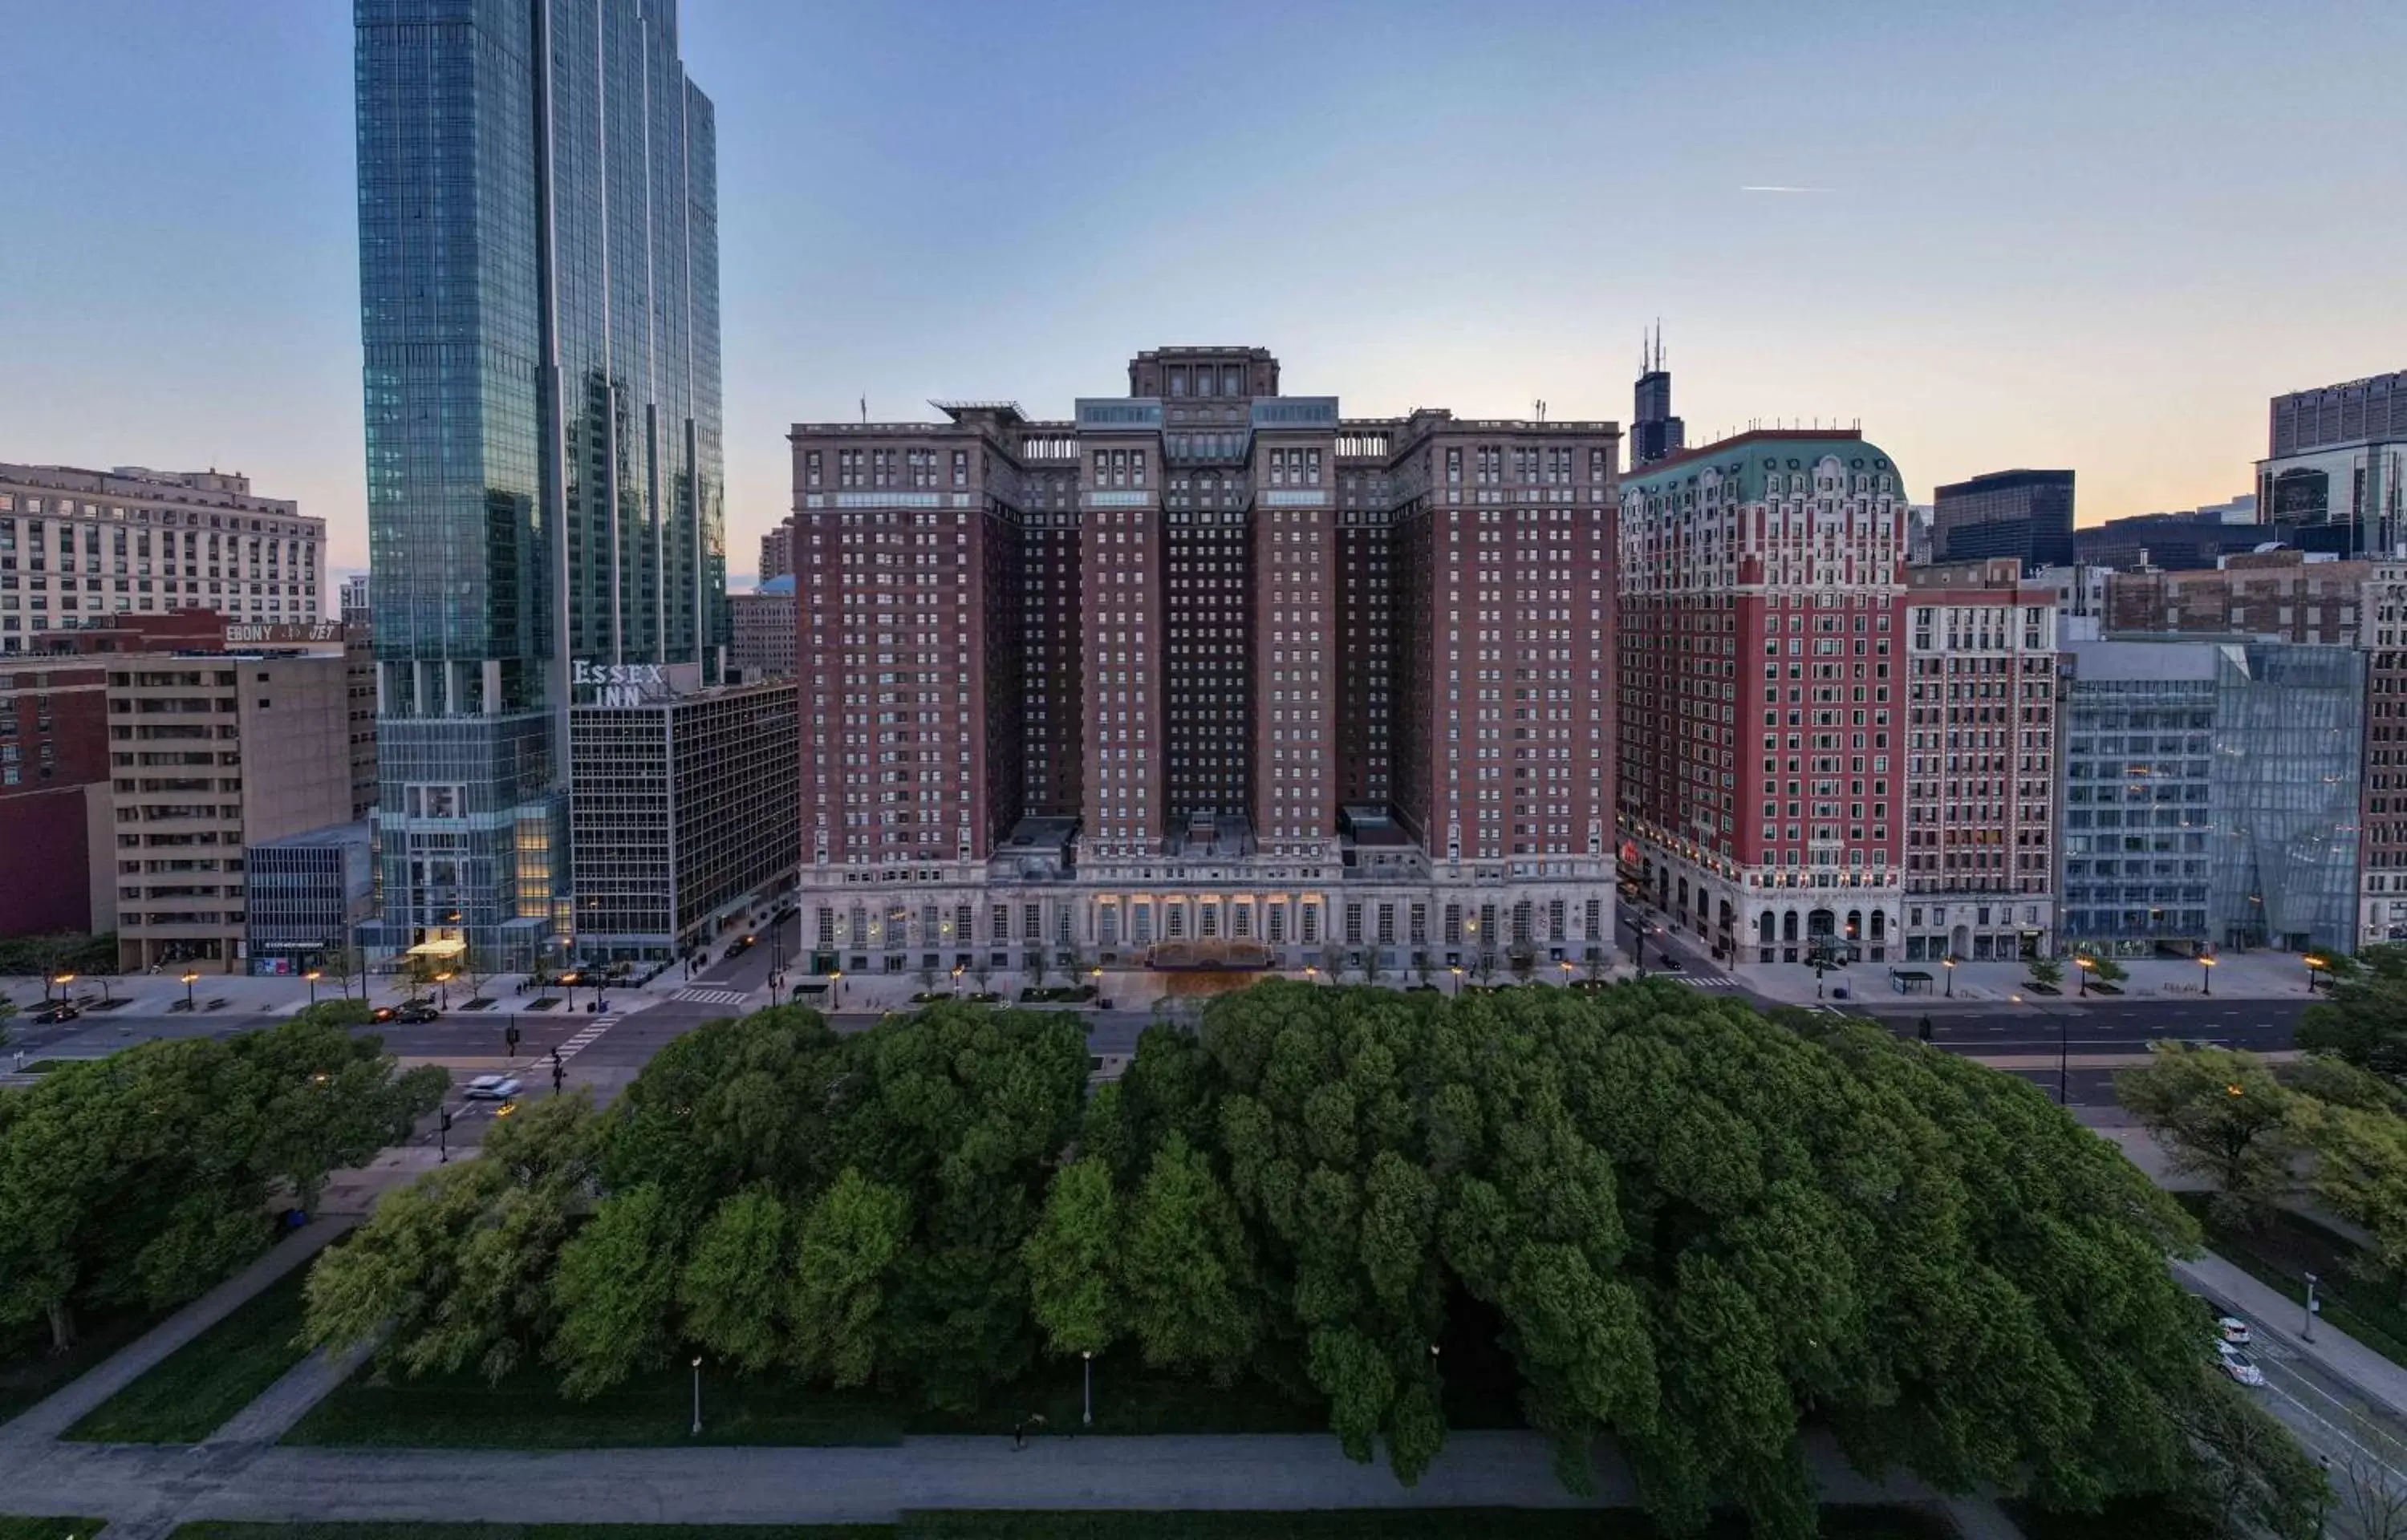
16 1526
224 1529
29 1371
194 1390
1840 1523
526 1411
2130 1518
2288 1246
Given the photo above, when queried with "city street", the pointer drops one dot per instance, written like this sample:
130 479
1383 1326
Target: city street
2095 1036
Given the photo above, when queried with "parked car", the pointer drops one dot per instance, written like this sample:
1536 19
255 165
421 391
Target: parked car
2238 1365
2233 1330
491 1088
417 1011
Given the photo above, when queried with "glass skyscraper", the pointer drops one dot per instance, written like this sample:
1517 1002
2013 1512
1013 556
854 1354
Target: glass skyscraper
2211 793
539 312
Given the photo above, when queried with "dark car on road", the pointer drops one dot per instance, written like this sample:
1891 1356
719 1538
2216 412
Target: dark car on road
416 1013
57 1011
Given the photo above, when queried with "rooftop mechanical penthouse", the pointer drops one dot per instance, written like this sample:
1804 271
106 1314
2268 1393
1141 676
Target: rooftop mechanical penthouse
1206 675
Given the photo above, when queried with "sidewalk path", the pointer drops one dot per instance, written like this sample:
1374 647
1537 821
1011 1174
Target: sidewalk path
51 1417
145 1489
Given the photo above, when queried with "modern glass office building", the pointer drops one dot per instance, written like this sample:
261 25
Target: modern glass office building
539 311
2211 795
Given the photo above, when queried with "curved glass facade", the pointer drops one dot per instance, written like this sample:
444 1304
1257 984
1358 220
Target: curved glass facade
539 317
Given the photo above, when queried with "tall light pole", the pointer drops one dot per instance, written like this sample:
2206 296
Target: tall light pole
1949 963
1457 971
191 978
2312 1281
1086 1373
697 1396
62 980
2206 975
313 976
2314 965
2063 1048
2084 964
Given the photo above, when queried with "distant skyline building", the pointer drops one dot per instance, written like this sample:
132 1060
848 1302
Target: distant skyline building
88 545
2281 596
2335 466
1655 433
2177 542
1761 721
1206 674
765 632
778 552
2027 515
539 302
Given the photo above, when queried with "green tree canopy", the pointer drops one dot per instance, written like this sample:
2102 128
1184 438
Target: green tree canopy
144 1178
1646 1212
2219 1114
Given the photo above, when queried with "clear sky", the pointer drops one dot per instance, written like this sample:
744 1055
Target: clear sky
2096 235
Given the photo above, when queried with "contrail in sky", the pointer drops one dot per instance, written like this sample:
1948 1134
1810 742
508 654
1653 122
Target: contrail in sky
1776 189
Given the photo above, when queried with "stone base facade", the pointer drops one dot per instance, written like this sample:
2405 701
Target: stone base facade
1766 915
1399 917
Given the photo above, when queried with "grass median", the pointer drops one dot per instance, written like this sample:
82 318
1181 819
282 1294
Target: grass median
19 1527
2285 1248
1838 1523
194 1390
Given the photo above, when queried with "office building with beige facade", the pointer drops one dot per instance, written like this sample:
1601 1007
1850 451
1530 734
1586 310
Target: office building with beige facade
79 546
212 752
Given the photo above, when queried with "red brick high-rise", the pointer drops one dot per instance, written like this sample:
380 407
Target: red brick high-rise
1762 582
1208 671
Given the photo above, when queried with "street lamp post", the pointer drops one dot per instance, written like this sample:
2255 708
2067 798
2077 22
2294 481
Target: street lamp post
1949 963
697 1396
836 982
313 976
62 980
2084 964
1310 973
2312 1306
568 981
443 989
2063 1048
1087 1376
2314 965
1457 971
191 979
1567 973
2206 975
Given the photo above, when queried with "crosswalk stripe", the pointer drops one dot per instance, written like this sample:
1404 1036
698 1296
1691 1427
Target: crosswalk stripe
712 997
